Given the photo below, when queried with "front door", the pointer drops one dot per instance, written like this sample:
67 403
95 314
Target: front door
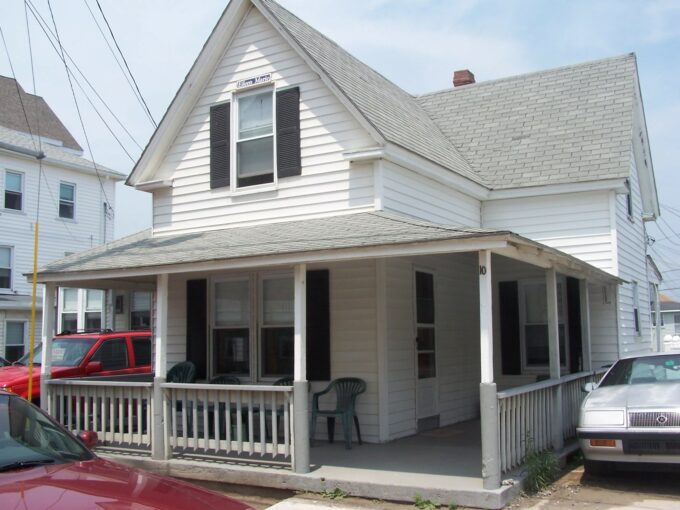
426 354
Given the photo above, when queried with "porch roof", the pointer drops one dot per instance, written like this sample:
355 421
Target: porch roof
358 235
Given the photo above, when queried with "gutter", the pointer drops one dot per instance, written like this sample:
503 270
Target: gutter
22 150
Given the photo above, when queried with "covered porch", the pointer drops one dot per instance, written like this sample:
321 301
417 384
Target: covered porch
416 311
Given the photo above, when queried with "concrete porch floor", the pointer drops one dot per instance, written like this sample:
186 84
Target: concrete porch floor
443 465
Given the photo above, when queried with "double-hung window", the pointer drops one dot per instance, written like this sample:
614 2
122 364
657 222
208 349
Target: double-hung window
231 327
5 268
276 330
93 309
15 339
255 139
67 200
69 309
140 310
14 190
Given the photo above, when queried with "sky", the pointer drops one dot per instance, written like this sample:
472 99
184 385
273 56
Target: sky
416 43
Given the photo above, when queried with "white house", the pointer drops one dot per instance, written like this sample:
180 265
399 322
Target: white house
72 201
471 254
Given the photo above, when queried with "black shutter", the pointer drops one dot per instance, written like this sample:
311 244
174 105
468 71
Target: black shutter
288 160
197 325
574 325
511 360
220 126
318 326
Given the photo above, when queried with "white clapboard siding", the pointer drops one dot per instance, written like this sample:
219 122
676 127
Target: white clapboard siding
604 345
577 223
328 184
407 192
632 253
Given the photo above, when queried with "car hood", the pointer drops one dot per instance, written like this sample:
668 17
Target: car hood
631 396
19 373
99 483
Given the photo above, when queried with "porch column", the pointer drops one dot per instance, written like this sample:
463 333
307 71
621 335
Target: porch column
586 346
488 401
300 384
554 354
158 448
48 332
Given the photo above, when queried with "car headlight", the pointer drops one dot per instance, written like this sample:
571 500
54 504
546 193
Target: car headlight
611 418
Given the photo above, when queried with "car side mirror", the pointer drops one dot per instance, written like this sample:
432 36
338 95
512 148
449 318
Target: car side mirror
588 387
89 437
93 367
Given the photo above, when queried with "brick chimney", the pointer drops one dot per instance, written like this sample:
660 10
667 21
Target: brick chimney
463 77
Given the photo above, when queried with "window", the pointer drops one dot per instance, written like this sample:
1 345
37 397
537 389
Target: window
5 267
676 323
69 309
255 139
629 201
14 186
636 308
425 326
231 331
15 339
113 354
276 332
142 349
140 310
93 309
67 200
534 323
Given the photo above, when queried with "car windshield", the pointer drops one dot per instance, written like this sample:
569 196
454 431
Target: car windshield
28 437
649 369
66 352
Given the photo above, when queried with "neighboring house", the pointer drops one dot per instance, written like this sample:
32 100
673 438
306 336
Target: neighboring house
669 330
313 220
75 214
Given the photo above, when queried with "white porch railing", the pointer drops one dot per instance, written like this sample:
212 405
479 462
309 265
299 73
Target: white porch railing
229 419
525 415
120 412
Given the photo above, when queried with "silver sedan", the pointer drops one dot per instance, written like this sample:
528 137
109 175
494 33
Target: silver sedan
633 414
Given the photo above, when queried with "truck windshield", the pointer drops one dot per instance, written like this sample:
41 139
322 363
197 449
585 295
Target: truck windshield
66 352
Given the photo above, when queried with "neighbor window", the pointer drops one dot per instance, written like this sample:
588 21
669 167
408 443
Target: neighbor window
14 186
67 200
255 139
534 323
15 339
276 332
140 310
629 201
676 323
636 308
69 309
231 327
93 309
5 267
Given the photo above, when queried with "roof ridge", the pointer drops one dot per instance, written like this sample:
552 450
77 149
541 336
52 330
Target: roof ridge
566 67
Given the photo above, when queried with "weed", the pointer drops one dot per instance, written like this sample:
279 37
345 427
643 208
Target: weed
541 469
335 494
453 505
424 504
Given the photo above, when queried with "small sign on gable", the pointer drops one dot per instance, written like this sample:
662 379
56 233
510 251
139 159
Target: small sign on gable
255 80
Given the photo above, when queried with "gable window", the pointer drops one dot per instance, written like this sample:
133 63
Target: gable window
255 139
534 324
14 186
140 310
67 200
5 268
15 339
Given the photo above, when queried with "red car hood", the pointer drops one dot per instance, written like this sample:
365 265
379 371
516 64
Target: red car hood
101 484
18 373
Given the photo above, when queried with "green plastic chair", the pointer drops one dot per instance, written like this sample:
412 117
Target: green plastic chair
284 381
347 389
183 372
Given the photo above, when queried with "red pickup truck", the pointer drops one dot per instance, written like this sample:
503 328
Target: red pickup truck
102 353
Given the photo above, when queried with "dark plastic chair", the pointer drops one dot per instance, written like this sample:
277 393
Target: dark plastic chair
225 379
284 381
346 391
184 372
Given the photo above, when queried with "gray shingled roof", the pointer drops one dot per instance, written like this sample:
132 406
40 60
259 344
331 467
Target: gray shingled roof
570 124
347 231
52 152
43 121
390 110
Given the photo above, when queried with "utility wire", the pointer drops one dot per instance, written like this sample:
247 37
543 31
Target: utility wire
75 100
135 92
126 64
50 36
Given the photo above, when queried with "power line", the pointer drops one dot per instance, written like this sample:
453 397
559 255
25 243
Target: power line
126 64
75 100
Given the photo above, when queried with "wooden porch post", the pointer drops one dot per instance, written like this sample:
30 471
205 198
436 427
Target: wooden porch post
554 354
586 346
300 384
158 449
48 332
488 401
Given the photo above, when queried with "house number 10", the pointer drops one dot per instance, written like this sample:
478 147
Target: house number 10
482 269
